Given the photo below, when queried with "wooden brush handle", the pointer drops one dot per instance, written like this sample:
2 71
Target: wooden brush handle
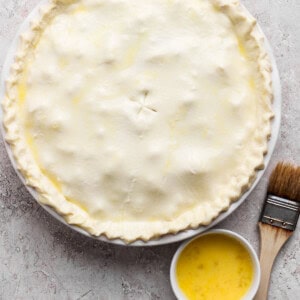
271 240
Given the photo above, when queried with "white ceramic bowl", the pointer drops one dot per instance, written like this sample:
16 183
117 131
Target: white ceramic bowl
256 279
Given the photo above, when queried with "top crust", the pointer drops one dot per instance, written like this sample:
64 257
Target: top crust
134 229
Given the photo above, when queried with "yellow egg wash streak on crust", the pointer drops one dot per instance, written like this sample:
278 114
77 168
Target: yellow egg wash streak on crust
35 154
79 9
131 53
252 83
241 47
214 267
22 93
52 178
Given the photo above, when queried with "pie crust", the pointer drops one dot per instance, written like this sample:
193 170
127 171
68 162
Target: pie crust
182 125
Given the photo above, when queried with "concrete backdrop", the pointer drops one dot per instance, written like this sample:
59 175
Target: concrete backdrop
43 259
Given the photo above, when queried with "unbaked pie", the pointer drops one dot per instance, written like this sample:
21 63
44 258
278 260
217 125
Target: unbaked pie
138 118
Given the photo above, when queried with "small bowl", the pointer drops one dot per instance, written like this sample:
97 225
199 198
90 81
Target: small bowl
256 266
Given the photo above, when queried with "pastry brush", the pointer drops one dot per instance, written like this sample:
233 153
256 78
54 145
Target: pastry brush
278 219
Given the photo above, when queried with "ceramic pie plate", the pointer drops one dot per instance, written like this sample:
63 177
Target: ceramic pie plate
169 238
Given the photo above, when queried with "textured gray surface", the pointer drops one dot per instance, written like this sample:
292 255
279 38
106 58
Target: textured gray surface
42 259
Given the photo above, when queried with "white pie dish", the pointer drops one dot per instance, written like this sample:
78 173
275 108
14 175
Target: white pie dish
188 233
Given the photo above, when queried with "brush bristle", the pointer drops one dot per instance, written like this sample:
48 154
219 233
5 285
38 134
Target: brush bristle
285 181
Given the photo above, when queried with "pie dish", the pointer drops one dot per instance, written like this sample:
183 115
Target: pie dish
133 119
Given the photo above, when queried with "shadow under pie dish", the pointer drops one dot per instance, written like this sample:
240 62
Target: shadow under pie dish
133 119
